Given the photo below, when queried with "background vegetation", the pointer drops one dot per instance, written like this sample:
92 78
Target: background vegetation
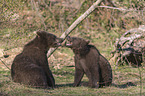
20 18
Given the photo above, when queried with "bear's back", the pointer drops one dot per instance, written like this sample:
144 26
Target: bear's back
106 71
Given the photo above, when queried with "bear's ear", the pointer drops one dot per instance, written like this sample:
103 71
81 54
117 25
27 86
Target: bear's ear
87 41
37 33
40 33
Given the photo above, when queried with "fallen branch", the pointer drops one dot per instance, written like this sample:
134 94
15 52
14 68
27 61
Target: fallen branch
5 64
75 24
121 9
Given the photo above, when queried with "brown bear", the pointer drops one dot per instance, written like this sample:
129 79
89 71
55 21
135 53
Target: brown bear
89 61
31 66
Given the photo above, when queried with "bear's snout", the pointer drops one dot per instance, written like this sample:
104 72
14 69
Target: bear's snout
69 38
58 42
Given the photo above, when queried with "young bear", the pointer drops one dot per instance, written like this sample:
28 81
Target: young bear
89 61
31 66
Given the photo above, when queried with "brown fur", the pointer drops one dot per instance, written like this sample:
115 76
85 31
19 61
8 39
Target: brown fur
31 66
89 61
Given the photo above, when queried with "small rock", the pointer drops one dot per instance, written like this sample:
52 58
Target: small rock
6 56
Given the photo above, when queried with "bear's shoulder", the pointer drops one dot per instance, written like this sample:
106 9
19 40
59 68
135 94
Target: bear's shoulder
92 47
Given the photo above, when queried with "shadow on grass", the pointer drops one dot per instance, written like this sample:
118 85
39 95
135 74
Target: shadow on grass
83 83
124 85
128 84
118 86
64 85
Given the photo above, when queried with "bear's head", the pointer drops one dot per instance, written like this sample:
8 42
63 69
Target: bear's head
78 45
48 39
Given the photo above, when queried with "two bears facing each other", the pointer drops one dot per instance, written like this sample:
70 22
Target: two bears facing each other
31 66
89 61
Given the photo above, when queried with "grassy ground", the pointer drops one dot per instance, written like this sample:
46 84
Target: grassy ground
127 81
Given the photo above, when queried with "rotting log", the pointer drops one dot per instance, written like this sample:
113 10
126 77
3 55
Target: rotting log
130 47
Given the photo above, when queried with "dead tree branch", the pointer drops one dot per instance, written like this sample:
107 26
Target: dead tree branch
121 9
75 24
5 64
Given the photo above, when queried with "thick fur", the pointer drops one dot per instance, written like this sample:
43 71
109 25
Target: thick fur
89 61
31 66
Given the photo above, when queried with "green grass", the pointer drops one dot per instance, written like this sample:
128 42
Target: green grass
64 79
